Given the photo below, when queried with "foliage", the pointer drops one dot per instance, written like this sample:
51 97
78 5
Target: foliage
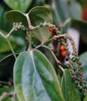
35 61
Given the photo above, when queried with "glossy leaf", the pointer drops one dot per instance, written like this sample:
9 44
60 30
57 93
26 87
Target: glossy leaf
16 16
35 79
21 5
64 9
69 89
47 52
40 14
60 10
50 56
42 33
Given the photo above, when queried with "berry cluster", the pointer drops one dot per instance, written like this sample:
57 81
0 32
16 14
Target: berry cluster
59 44
60 50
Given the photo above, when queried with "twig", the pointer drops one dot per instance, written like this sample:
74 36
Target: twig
10 32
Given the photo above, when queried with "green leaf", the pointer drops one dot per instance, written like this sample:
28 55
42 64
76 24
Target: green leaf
82 28
75 11
40 14
3 21
35 78
83 60
69 89
47 52
64 9
19 42
85 99
41 33
60 10
21 5
5 89
16 16
4 46
16 43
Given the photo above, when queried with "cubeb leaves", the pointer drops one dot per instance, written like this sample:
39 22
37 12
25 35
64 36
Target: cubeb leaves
20 5
16 42
4 47
35 78
69 89
37 15
40 14
16 16
41 33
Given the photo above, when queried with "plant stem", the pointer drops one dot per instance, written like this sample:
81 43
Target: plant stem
58 62
10 32
11 48
29 22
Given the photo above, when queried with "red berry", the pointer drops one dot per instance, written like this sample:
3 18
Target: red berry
64 53
52 30
62 48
